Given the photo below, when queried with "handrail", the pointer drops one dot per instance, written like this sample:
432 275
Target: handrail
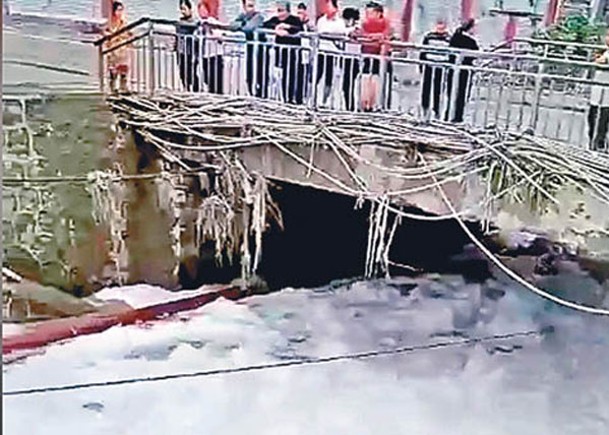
516 13
165 21
560 43
122 30
392 44
160 65
125 43
133 25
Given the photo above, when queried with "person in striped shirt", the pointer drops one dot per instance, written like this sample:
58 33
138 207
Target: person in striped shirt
434 76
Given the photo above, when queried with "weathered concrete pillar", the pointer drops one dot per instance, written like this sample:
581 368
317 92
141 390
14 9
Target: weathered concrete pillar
148 239
49 233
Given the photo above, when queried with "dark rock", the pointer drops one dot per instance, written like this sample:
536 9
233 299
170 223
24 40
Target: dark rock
493 293
434 290
94 406
196 344
503 349
300 338
405 289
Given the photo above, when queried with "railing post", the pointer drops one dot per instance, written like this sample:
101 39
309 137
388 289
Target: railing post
315 64
383 76
152 63
100 64
454 90
255 55
537 96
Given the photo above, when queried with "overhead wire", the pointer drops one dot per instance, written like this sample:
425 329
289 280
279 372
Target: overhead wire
308 361
509 272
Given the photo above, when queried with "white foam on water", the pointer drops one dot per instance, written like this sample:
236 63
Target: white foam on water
556 385
9 329
144 295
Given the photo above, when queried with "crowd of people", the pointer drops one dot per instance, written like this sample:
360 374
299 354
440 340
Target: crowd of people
441 80
356 48
292 50
350 50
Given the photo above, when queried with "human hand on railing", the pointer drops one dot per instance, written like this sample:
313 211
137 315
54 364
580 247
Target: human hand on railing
600 59
355 33
282 29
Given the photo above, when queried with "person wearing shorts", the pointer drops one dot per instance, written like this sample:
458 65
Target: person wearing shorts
375 30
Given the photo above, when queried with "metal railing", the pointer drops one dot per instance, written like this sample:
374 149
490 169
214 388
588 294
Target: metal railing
507 88
571 51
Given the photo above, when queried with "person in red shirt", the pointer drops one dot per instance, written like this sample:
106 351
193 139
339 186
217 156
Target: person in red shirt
375 31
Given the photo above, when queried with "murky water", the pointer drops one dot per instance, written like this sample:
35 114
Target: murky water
556 383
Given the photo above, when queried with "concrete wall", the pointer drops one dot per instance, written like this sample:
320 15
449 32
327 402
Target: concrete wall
275 164
48 230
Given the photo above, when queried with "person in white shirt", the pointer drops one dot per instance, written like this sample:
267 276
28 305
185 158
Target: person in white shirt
330 25
212 58
598 115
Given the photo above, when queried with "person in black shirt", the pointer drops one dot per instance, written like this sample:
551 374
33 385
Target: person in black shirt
288 52
461 40
433 76
301 12
351 66
187 48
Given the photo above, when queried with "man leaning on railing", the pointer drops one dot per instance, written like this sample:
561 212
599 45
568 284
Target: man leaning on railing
187 48
375 31
256 52
330 24
212 59
459 84
286 27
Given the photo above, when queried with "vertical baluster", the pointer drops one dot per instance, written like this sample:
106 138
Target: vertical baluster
477 99
560 105
455 87
489 88
315 68
382 76
537 94
166 75
152 64
200 65
523 93
499 100
140 64
544 130
444 97
102 68
575 109
510 99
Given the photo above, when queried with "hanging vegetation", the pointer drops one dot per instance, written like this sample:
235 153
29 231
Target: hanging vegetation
515 168
573 28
